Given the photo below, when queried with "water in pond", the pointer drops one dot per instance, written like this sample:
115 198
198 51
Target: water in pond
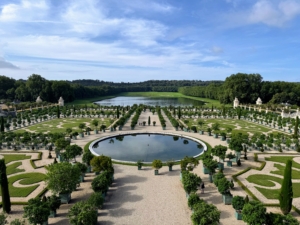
124 101
147 147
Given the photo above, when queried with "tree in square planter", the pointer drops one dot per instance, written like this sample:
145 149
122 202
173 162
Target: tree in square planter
83 168
193 200
101 183
188 163
86 158
71 152
81 126
83 213
210 165
217 177
224 189
201 123
220 151
209 131
139 164
238 203
102 163
95 124
216 128
191 182
96 199
205 213
223 136
230 156
254 212
54 204
62 178
236 143
61 144
170 164
37 211
157 164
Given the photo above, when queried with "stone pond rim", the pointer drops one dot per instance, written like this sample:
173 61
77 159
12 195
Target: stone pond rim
204 147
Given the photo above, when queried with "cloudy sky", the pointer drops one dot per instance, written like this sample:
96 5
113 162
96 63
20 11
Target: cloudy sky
137 40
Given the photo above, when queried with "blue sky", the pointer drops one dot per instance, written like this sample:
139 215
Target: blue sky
137 40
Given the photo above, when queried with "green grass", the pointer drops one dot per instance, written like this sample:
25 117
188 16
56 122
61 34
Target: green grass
12 168
244 126
64 123
283 159
14 157
263 180
26 178
89 101
280 171
275 192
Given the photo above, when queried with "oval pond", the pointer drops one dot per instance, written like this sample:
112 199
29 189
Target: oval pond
147 147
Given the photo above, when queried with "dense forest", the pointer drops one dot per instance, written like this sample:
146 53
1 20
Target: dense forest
246 87
50 91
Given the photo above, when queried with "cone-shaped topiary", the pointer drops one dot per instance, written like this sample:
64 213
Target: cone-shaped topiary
286 192
4 187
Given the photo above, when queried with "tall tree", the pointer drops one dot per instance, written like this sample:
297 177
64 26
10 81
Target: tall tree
286 192
4 187
2 125
296 127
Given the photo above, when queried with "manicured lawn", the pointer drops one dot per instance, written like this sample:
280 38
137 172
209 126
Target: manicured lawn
280 171
283 159
89 101
263 180
64 123
14 157
26 178
12 168
273 194
237 126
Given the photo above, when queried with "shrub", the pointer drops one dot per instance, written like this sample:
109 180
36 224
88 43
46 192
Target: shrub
96 200
205 214
254 213
217 177
193 200
238 203
83 213
157 164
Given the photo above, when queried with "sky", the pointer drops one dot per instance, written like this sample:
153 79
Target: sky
139 40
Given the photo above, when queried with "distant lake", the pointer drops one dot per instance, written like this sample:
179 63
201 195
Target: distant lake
161 101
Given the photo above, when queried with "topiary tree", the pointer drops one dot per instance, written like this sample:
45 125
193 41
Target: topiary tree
87 157
254 212
296 127
101 183
96 199
4 187
54 204
238 203
190 182
188 163
83 213
217 177
101 163
205 214
193 200
224 186
17 222
71 152
62 177
219 151
286 192
157 164
36 211
3 218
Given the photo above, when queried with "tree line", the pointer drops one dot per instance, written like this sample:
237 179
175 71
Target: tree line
247 88
51 90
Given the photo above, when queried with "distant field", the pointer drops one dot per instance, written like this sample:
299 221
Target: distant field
89 101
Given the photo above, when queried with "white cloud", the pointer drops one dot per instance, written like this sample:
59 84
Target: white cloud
25 11
274 13
217 50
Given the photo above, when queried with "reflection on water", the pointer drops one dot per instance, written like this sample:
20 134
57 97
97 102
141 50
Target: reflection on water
147 147
124 101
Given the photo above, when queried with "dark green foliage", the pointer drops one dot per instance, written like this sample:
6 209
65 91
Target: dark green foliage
205 214
149 121
36 211
190 182
83 213
217 177
278 219
53 202
101 183
238 203
102 163
96 199
254 213
224 186
2 125
87 157
219 151
4 187
193 200
58 112
188 163
296 129
286 192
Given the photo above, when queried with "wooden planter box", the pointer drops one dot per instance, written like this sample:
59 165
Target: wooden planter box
205 170
201 132
65 197
229 163
238 215
221 166
52 214
170 168
155 172
227 199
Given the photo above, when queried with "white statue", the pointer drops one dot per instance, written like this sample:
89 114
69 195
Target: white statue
39 100
236 103
61 101
258 101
